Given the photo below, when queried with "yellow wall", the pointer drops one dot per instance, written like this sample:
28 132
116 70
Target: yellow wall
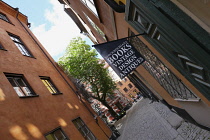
123 1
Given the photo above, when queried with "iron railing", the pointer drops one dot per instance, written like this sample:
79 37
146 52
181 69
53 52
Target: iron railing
169 81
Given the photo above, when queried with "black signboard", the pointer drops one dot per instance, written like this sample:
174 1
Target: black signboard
121 56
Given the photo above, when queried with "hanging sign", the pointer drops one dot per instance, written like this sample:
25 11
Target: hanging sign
121 56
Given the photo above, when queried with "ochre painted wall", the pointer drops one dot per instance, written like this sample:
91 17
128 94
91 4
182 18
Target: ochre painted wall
122 1
31 118
131 91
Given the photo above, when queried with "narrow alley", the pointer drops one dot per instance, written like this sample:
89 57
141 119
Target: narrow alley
154 121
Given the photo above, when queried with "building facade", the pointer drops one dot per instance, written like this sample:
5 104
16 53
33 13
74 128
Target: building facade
116 101
127 88
177 51
124 86
175 45
38 101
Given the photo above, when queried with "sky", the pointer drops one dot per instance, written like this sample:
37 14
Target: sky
50 24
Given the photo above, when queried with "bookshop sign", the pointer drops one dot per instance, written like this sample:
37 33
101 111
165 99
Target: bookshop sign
121 56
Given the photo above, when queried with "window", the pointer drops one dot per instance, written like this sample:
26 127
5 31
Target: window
112 97
96 28
140 19
49 85
120 84
130 86
1 47
125 79
56 134
118 104
90 4
83 129
143 22
130 95
3 17
20 85
198 72
20 45
125 89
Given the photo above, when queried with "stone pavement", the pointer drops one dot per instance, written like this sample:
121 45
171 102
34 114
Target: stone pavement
155 121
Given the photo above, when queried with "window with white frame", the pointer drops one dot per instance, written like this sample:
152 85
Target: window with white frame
20 85
4 17
83 129
91 5
20 45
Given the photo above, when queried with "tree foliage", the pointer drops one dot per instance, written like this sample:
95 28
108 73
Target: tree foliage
81 62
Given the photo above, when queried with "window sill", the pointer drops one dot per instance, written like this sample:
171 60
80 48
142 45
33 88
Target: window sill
3 49
188 100
29 56
57 93
7 21
29 96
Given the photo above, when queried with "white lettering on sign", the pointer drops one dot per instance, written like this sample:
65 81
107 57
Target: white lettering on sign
124 58
118 52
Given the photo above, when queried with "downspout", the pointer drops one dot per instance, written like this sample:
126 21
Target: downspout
113 24
116 7
75 92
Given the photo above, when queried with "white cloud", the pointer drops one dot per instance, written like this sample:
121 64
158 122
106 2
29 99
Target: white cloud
57 33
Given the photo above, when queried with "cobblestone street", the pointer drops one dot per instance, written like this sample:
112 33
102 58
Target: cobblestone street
145 121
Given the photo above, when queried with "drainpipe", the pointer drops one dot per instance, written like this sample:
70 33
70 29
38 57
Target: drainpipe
113 24
116 7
